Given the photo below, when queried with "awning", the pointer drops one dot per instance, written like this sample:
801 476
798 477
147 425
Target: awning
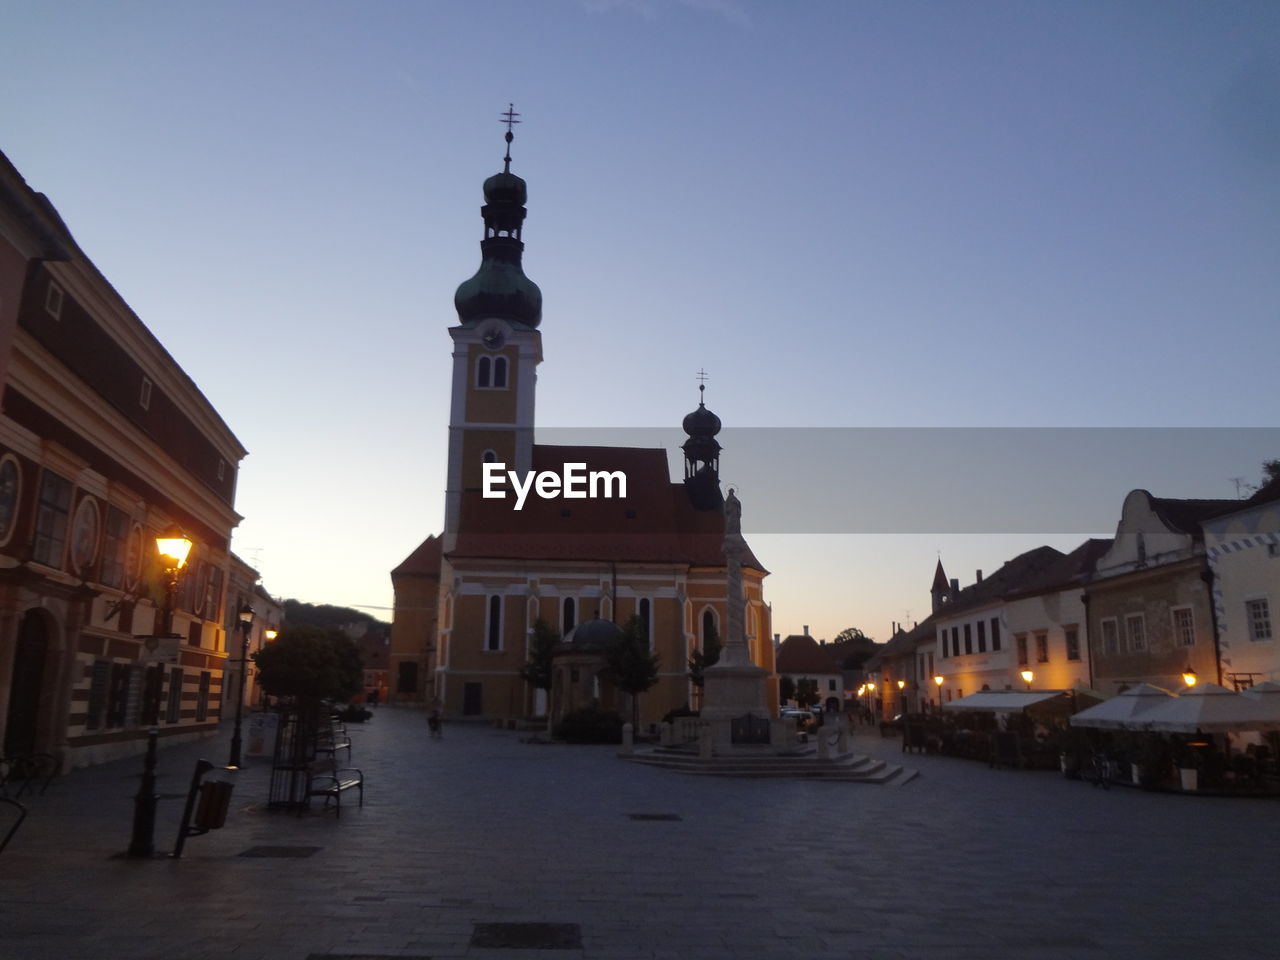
1122 710
1209 708
1003 701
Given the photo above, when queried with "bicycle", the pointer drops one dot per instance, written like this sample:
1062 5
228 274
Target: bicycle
1100 771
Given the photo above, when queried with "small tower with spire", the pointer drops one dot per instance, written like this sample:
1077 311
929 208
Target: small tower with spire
941 589
496 346
702 454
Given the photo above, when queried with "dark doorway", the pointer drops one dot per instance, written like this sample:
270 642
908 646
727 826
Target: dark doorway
407 681
28 685
472 705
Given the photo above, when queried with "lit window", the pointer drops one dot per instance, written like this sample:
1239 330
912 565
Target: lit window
1259 620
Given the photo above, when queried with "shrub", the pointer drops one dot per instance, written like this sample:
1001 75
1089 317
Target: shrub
354 713
590 725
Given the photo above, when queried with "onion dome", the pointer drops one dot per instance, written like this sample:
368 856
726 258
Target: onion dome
702 422
506 187
499 289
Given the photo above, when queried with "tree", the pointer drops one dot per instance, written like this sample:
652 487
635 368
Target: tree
806 692
537 669
632 667
310 663
848 634
786 688
1270 471
708 656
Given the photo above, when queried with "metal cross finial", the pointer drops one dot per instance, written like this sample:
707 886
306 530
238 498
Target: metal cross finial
702 383
509 118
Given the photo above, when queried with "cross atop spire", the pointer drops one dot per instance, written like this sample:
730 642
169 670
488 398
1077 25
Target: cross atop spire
509 118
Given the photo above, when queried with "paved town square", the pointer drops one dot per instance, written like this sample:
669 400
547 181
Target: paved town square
609 859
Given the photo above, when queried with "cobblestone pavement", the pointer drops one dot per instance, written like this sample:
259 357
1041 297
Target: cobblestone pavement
963 863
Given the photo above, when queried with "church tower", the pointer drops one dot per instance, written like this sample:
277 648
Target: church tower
496 348
702 457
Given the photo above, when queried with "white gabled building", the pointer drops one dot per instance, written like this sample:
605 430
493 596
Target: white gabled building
1243 550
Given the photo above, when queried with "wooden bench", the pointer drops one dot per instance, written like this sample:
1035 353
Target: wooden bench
326 779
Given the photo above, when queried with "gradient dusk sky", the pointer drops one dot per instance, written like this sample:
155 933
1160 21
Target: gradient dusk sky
851 214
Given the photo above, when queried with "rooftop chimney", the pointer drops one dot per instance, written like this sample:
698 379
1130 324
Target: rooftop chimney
979 577
806 629
955 586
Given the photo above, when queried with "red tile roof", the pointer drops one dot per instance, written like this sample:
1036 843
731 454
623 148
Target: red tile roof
800 653
424 561
654 523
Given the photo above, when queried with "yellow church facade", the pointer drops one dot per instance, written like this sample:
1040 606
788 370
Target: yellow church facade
603 534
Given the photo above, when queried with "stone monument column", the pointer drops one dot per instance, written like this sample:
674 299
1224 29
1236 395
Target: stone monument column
734 686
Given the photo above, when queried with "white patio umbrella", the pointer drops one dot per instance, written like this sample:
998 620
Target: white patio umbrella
1122 710
1266 693
1209 708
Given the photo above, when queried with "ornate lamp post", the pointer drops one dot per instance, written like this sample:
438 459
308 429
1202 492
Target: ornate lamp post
1189 676
937 680
173 547
246 627
1027 677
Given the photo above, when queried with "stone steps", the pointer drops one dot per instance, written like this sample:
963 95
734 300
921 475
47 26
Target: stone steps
799 765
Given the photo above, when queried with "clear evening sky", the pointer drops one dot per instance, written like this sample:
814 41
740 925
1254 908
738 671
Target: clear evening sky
851 214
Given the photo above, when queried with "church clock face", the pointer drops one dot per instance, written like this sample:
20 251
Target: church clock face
84 536
492 338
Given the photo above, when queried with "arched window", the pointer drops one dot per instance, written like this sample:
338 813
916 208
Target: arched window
709 626
643 611
482 372
500 372
568 616
493 624
489 457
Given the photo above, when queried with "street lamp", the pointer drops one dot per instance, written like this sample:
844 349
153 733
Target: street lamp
1027 677
173 546
1189 676
246 627
937 679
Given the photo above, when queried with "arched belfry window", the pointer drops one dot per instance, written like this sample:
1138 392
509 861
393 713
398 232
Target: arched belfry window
568 616
489 456
482 372
500 372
